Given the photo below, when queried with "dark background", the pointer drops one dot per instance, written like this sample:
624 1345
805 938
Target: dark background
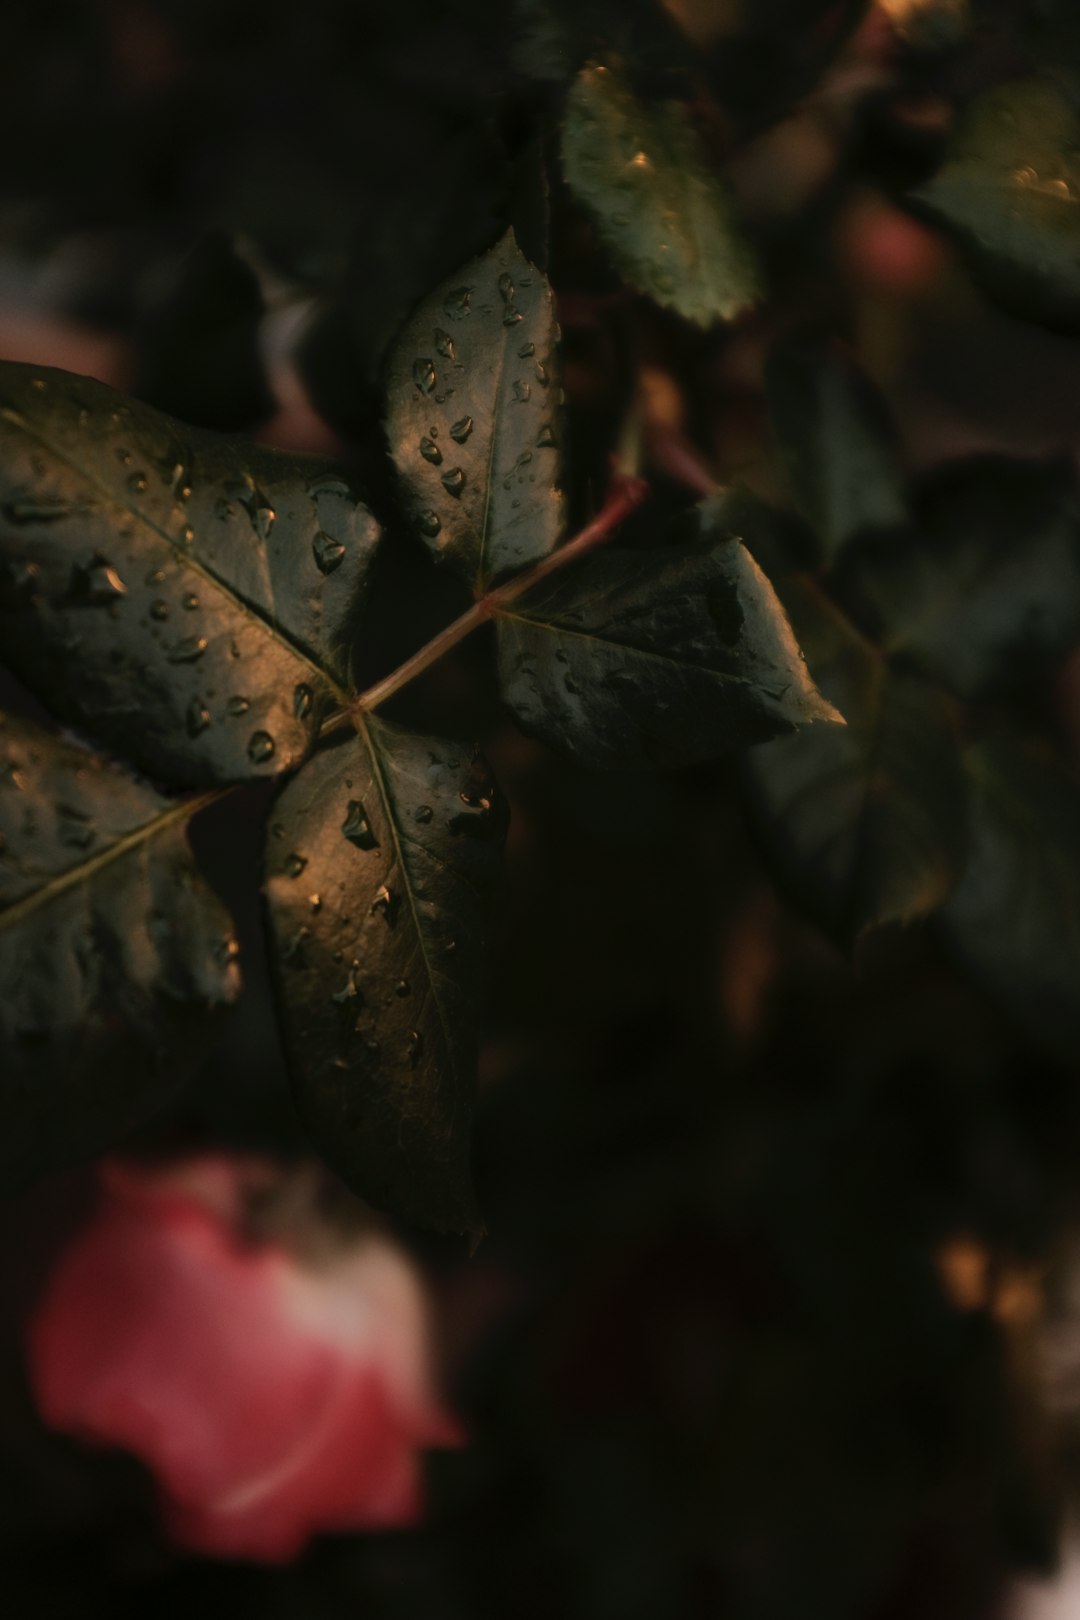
714 1355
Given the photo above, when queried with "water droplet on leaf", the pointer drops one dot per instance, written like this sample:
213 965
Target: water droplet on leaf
188 650
357 827
198 717
261 747
424 375
386 904
327 552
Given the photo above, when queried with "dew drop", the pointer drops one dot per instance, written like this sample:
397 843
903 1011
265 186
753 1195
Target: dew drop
545 439
511 316
387 904
522 392
74 828
137 483
457 303
424 813
303 701
97 582
187 534
444 343
506 287
187 650
190 601
261 747
294 865
461 429
263 521
35 511
415 1046
327 551
430 451
453 481
475 820
429 523
357 827
526 350
424 375
403 988
198 717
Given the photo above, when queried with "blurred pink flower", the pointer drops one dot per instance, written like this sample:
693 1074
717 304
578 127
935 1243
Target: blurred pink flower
273 1392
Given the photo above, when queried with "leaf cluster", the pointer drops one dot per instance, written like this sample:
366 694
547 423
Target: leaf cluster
934 614
190 604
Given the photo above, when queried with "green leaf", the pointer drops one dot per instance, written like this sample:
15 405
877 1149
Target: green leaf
984 592
862 825
383 859
1010 194
655 658
1014 919
473 417
666 219
113 951
187 599
837 443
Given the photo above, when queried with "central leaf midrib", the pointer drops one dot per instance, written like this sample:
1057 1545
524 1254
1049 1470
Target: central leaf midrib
378 775
189 558
85 871
489 486
622 646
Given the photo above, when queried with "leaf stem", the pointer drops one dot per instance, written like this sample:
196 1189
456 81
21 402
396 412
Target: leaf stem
624 496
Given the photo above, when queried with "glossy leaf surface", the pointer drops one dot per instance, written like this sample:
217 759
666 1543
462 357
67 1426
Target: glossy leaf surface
186 599
1014 920
665 218
113 950
837 445
655 658
473 417
862 825
1010 194
382 862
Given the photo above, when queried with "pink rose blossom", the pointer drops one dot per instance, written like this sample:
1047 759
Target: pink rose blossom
273 1394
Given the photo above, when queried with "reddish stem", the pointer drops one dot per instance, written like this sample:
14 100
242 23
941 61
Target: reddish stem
624 495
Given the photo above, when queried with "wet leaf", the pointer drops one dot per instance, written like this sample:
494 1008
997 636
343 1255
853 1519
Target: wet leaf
383 860
862 825
1010 194
655 658
837 444
187 599
985 590
665 218
114 953
1014 919
473 417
